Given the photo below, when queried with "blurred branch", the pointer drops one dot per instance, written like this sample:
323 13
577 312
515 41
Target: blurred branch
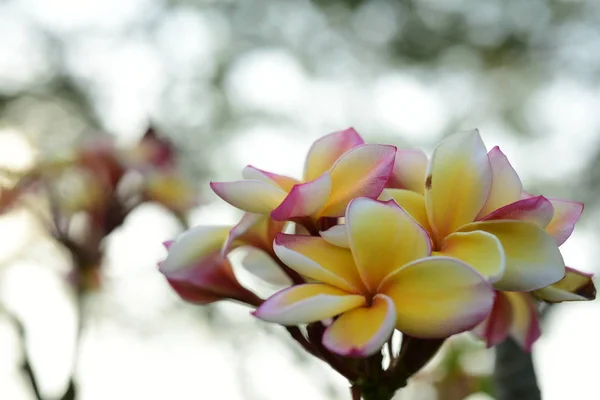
514 375
26 364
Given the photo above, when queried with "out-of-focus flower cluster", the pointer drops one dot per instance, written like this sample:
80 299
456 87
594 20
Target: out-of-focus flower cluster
82 196
375 240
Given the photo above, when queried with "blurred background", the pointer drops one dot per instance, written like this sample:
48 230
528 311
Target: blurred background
236 82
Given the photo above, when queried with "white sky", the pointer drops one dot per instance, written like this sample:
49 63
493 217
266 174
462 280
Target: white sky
179 358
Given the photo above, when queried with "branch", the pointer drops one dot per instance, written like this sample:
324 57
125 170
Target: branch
514 375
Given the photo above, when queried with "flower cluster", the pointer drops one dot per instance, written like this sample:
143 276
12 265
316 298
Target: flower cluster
384 240
84 195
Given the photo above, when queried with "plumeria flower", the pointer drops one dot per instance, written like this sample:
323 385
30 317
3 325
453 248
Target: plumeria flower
385 280
492 224
170 190
472 207
515 313
339 167
198 268
575 286
410 170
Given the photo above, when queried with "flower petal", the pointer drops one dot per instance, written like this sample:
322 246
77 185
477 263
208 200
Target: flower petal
506 185
336 235
307 303
305 199
383 238
262 265
436 297
533 260
458 182
256 230
169 190
362 171
409 171
284 182
496 327
208 280
537 210
412 202
566 214
363 331
319 260
193 245
481 250
250 195
525 327
325 151
575 286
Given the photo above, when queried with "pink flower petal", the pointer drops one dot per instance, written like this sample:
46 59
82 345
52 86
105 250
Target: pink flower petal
506 185
566 214
537 210
361 172
495 329
253 196
284 182
307 303
304 200
325 152
525 326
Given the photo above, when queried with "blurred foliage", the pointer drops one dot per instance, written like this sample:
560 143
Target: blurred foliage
502 53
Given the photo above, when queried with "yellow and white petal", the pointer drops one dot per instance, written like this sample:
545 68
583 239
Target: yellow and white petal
316 259
566 214
193 245
362 171
481 250
304 200
363 331
307 303
506 185
383 238
436 297
409 171
533 260
536 210
283 182
336 235
458 182
525 327
262 265
325 151
412 202
256 230
250 195
575 286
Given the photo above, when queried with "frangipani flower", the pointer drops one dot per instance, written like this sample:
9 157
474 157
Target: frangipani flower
575 286
515 313
197 266
386 280
170 190
473 210
339 167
